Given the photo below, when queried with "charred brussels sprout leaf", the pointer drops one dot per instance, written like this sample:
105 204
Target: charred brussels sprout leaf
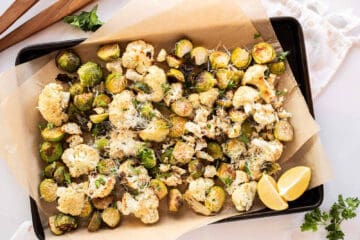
175 74
68 61
87 21
98 118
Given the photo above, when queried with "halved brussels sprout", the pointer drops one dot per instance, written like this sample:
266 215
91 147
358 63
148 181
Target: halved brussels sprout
195 205
141 87
204 81
59 174
240 58
196 168
53 228
156 131
102 143
115 83
86 210
76 89
182 47
50 151
223 77
102 203
173 61
215 199
95 222
106 166
109 52
175 74
47 189
214 149
68 61
65 223
199 55
283 131
247 129
98 118
182 107
270 168
111 217
147 157
101 100
219 59
226 173
263 53
52 134
175 200
277 68
177 126
84 101
50 169
90 74
159 188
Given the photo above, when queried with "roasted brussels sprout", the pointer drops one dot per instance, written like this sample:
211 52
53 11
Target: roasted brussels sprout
226 173
95 222
87 210
167 156
204 81
50 169
53 228
224 102
173 61
102 203
175 200
90 74
277 68
240 58
199 55
102 143
247 129
263 53
106 166
156 131
98 118
146 110
50 151
270 168
109 52
283 131
111 217
141 87
101 100
214 149
84 101
195 205
215 199
177 126
115 83
65 223
219 59
147 157
183 47
159 188
52 134
175 74
182 107
196 168
59 174
68 61
76 89
47 189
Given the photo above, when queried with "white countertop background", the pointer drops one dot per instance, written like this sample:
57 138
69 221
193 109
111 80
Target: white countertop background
337 111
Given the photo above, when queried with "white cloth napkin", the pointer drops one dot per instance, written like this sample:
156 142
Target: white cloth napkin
328 35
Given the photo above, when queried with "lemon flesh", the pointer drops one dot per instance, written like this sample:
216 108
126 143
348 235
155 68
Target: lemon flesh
294 182
268 194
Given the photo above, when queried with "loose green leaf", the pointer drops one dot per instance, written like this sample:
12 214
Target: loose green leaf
87 21
282 56
257 35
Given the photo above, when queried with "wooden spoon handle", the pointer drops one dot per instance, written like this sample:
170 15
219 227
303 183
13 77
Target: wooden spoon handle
16 10
52 14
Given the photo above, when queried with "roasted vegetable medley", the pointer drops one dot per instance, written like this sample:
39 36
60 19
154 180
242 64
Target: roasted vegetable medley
194 126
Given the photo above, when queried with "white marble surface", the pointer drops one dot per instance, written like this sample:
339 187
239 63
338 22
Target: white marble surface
337 111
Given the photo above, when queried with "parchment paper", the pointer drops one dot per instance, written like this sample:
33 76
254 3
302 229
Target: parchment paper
213 24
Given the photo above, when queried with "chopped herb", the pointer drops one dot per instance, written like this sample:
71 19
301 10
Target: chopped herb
67 178
282 56
247 169
343 209
208 126
165 87
231 85
280 93
99 181
50 125
244 138
267 73
221 93
227 181
257 35
87 21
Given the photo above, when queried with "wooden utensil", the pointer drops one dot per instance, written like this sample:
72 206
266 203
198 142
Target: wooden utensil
52 14
16 10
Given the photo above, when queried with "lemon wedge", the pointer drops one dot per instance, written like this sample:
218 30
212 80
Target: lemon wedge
268 193
294 182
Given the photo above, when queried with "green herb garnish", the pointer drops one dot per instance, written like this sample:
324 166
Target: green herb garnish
244 138
165 87
247 169
67 178
340 211
99 181
257 35
87 21
280 93
227 181
282 56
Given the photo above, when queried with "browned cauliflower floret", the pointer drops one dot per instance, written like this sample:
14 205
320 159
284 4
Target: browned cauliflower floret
123 144
243 196
100 185
80 159
138 55
155 79
72 198
135 177
53 102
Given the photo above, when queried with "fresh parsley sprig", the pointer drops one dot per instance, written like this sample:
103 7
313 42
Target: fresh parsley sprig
87 21
343 209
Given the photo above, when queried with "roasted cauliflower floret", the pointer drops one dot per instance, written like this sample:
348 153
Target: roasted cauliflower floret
266 150
264 114
74 140
174 93
136 177
72 198
209 97
156 130
100 185
123 144
199 187
240 178
183 152
234 148
138 55
53 102
80 159
210 171
245 95
243 196
144 206
71 128
155 79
